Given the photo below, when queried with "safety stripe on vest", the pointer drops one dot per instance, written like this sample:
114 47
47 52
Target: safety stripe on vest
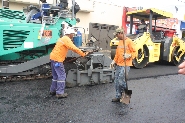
54 80
61 41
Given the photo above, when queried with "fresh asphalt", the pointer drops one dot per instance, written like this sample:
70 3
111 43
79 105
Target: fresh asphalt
158 96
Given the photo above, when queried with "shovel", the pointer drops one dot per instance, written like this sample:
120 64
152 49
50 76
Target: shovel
126 95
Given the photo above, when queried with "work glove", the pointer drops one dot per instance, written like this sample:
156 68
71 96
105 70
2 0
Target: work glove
112 64
126 56
87 53
57 64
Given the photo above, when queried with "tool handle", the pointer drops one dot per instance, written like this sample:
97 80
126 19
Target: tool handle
80 56
125 61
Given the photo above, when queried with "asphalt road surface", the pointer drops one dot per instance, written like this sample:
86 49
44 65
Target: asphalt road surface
153 70
157 99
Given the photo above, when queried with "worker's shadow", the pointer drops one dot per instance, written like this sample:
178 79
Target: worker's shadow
122 109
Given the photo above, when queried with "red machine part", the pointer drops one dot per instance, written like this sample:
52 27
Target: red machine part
124 19
167 32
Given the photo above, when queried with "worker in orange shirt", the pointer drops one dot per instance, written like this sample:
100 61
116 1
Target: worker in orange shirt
130 54
57 56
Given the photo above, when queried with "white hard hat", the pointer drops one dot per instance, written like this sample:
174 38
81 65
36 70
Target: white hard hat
69 30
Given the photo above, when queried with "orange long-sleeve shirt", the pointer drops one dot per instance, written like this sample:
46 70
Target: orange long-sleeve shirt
60 50
130 49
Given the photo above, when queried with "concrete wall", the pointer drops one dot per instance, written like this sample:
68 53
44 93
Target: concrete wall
102 13
15 6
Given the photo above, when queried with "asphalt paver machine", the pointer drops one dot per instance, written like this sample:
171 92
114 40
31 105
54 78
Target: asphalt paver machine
28 36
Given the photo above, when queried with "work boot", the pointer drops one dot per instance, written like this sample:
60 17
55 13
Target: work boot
59 96
52 93
116 100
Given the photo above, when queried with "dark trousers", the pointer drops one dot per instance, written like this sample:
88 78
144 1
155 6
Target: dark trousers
59 77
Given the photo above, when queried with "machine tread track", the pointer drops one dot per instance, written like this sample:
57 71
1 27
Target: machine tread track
34 69
24 78
42 74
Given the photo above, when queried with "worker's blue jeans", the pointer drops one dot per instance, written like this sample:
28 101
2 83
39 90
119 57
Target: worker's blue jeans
119 80
59 77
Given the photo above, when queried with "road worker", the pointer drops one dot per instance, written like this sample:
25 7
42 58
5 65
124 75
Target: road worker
182 68
43 11
119 62
57 57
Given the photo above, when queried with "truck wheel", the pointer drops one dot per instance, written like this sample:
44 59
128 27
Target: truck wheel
177 56
142 58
